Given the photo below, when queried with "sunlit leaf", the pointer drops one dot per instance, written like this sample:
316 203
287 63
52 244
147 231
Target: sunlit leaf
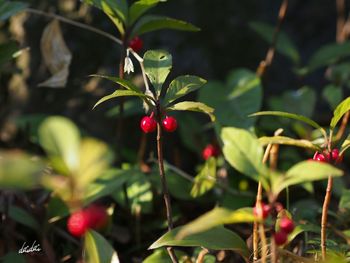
303 228
150 23
288 141
216 217
339 112
162 256
61 139
98 250
181 86
206 179
158 64
138 8
193 106
217 238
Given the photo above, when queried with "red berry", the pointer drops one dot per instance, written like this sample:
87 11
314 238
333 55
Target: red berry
148 124
336 157
136 44
98 216
169 124
320 157
280 238
210 151
261 212
78 223
286 225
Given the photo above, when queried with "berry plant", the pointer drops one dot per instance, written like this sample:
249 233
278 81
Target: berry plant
121 167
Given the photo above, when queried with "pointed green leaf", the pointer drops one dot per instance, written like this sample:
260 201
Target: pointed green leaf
151 23
284 44
10 8
98 250
193 106
303 228
158 64
288 115
161 256
305 98
243 151
205 180
289 141
303 172
140 7
333 94
218 238
24 171
346 145
23 217
216 217
116 10
339 112
123 82
60 138
124 93
181 86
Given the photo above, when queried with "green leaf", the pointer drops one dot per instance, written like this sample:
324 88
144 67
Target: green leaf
284 44
161 256
116 10
346 145
328 54
344 202
158 64
333 95
303 228
23 217
304 97
94 160
306 171
61 139
339 111
206 179
25 171
193 106
98 250
124 93
217 238
123 82
288 115
8 9
140 7
13 257
289 141
151 23
7 51
243 151
216 217
235 100
181 86
56 209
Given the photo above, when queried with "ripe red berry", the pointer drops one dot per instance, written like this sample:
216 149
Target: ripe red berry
286 225
280 238
78 223
169 124
136 44
320 157
148 124
336 157
262 212
98 216
210 151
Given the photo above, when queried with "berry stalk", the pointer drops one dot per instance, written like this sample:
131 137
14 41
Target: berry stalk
325 207
165 190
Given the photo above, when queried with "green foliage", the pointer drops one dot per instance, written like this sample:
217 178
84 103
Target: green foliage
233 101
10 8
13 257
339 112
289 141
138 8
333 95
150 23
161 256
206 178
158 64
193 106
284 44
304 97
23 217
217 238
98 250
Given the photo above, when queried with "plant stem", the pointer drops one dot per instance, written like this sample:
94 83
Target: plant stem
263 242
326 202
342 127
163 179
201 255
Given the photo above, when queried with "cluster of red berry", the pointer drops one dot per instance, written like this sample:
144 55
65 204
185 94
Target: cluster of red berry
94 217
148 124
136 44
210 151
286 225
326 157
